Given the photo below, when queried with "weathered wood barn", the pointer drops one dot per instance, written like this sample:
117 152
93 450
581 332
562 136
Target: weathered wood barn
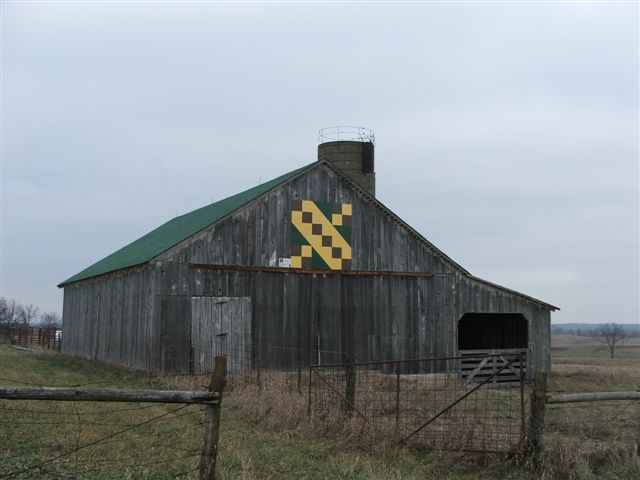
309 267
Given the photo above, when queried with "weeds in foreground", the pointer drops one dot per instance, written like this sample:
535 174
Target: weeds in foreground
267 434
577 453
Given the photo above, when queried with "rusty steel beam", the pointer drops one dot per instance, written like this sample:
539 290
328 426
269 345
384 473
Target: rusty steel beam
304 271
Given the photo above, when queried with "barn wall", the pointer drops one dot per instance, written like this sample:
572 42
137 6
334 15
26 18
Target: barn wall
260 233
401 317
109 318
372 318
472 296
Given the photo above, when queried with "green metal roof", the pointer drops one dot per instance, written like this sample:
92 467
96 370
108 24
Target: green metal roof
176 230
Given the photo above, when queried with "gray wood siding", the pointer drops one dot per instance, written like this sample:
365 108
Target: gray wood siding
476 297
373 318
221 326
109 318
261 231
346 314
400 319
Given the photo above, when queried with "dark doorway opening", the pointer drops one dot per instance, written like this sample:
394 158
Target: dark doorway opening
492 331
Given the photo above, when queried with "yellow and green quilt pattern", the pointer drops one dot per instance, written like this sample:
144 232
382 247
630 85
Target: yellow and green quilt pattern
321 235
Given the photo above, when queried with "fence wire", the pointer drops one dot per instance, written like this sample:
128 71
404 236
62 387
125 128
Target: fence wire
281 368
56 439
427 402
470 403
481 401
587 425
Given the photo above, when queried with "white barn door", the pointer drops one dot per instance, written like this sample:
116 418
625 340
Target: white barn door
221 326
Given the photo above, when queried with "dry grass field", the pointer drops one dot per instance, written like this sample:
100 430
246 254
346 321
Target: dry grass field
584 363
593 439
267 435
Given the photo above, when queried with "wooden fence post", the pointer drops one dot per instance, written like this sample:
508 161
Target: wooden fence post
258 365
350 385
397 395
212 422
534 443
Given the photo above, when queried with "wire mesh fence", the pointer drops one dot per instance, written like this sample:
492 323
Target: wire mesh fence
471 402
53 439
589 426
427 402
436 403
281 368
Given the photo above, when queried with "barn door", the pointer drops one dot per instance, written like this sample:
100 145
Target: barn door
221 326
174 352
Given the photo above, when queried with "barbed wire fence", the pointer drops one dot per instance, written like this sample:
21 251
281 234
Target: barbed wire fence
81 439
593 426
492 419
45 437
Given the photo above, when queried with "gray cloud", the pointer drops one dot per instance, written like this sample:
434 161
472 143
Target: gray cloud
507 134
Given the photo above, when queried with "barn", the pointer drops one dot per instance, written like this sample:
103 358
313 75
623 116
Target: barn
307 268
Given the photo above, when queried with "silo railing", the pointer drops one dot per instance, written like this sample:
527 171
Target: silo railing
346 134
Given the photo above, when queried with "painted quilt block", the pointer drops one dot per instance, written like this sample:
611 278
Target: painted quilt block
321 235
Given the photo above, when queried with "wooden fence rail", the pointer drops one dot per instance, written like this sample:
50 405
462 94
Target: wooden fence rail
211 400
592 397
540 398
108 395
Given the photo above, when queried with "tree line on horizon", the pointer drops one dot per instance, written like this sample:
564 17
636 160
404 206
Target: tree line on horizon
595 331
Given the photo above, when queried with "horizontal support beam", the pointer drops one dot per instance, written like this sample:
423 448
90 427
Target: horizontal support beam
592 397
108 395
304 271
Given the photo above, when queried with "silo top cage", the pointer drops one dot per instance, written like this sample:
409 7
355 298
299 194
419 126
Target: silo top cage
346 133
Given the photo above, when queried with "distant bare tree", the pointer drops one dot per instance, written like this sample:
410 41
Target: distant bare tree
50 320
27 313
613 336
11 315
4 329
3 309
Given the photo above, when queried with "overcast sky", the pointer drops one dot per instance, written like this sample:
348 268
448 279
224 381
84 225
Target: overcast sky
506 133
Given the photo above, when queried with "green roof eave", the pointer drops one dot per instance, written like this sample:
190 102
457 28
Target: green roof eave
177 230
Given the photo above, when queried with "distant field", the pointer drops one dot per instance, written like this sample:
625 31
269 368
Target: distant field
593 432
584 363
593 347
267 436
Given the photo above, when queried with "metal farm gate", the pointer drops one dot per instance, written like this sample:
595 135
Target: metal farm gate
428 402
